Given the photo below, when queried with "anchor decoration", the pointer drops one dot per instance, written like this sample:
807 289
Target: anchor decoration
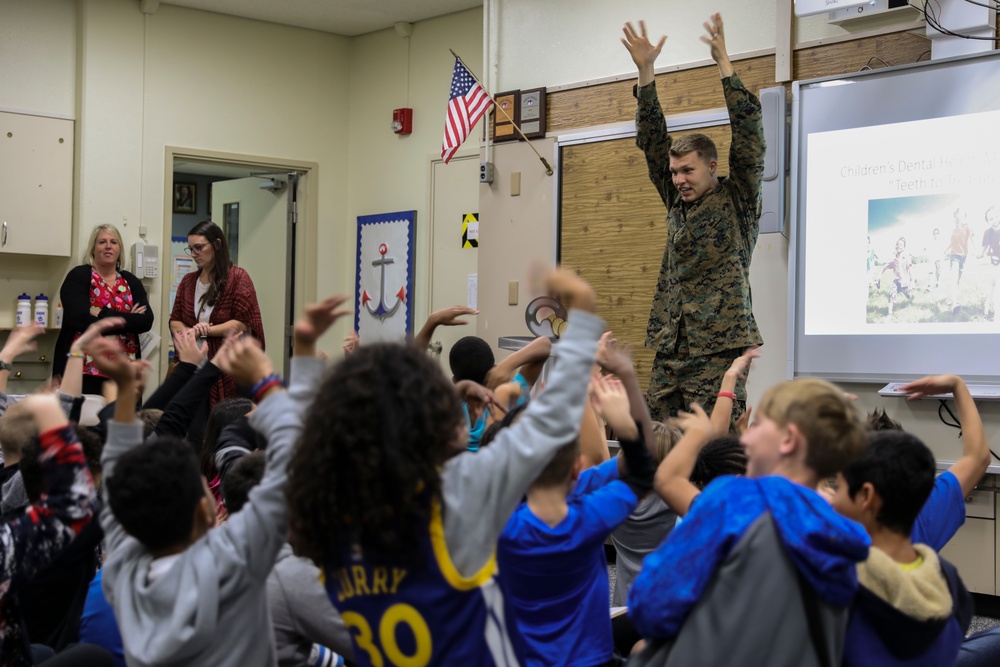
382 310
383 294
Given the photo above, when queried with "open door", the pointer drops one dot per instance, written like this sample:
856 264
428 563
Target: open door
253 213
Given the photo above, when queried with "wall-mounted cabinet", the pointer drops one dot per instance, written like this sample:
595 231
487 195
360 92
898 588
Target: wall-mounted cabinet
36 185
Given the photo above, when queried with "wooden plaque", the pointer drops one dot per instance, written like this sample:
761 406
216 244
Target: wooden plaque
503 128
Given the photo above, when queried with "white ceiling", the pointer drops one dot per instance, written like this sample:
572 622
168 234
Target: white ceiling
341 17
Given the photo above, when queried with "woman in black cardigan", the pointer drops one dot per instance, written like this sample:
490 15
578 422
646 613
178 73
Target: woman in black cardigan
97 289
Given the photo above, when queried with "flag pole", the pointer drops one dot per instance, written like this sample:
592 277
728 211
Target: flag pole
548 169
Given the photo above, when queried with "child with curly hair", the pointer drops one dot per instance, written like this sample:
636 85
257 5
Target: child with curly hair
401 520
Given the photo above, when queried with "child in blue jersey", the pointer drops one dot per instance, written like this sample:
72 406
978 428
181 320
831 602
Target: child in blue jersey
944 512
736 576
471 360
401 520
911 608
551 553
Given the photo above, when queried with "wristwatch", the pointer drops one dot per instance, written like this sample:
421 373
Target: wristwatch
4 366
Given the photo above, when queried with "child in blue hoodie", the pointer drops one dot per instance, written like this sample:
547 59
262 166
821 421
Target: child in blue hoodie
756 557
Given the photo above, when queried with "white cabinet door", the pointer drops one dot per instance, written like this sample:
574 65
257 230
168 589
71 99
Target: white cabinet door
36 185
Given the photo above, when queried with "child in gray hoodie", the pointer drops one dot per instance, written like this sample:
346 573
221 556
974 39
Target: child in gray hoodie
185 593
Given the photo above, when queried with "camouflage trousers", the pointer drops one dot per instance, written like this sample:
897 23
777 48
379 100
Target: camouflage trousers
678 379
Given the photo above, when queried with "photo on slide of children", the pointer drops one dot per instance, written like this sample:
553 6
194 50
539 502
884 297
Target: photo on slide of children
932 259
383 308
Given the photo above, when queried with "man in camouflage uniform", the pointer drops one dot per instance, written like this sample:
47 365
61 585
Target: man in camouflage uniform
701 318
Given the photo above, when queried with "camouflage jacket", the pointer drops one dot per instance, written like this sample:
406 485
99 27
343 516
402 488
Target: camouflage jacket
705 274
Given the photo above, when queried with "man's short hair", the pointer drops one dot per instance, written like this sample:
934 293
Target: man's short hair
154 491
901 468
695 143
561 465
832 427
878 420
471 358
241 478
17 430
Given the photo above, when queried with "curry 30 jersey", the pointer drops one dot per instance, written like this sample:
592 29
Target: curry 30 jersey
425 615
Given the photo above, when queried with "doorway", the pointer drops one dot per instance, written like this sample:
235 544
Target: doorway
266 208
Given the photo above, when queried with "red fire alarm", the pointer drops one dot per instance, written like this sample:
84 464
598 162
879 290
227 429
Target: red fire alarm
402 121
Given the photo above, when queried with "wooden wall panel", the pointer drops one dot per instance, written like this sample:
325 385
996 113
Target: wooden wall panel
695 89
613 232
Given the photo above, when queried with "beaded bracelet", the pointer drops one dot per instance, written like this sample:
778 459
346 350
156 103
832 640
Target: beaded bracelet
272 380
76 355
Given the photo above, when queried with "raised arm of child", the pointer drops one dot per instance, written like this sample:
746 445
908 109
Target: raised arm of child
260 529
528 360
19 341
636 466
446 317
970 468
616 361
673 477
722 413
480 490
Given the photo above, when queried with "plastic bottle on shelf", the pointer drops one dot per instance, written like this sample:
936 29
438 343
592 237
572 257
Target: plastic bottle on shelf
41 317
59 316
23 310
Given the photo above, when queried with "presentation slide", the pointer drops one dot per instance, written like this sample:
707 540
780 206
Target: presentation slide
903 234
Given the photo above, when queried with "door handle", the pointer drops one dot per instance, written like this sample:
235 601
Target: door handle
4 234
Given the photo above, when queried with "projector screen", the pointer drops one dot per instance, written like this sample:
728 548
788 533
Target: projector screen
896 223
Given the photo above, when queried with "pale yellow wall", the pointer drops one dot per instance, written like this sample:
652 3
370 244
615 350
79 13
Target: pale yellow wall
390 172
38 36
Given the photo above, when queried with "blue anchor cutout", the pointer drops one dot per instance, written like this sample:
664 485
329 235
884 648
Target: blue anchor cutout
382 311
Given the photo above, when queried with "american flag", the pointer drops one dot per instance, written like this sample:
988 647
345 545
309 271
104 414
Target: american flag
466 106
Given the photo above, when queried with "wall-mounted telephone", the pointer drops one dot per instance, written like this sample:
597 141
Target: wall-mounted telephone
145 260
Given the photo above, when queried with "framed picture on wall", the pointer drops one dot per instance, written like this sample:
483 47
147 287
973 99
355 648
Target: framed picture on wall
185 198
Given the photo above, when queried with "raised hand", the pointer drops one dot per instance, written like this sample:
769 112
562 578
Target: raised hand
694 422
643 53
243 359
743 421
20 341
478 398
351 342
186 346
930 386
741 365
612 358
112 360
319 317
448 317
571 290
716 40
95 331
612 404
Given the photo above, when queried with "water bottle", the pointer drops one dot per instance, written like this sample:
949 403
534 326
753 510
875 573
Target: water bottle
23 310
41 310
59 315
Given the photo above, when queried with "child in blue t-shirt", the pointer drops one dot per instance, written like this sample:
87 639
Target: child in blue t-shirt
551 553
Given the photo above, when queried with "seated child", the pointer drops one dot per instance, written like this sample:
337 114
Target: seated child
48 526
305 623
944 512
401 520
911 608
183 592
753 551
551 553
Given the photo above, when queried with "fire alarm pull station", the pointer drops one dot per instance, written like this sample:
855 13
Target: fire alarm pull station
402 121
